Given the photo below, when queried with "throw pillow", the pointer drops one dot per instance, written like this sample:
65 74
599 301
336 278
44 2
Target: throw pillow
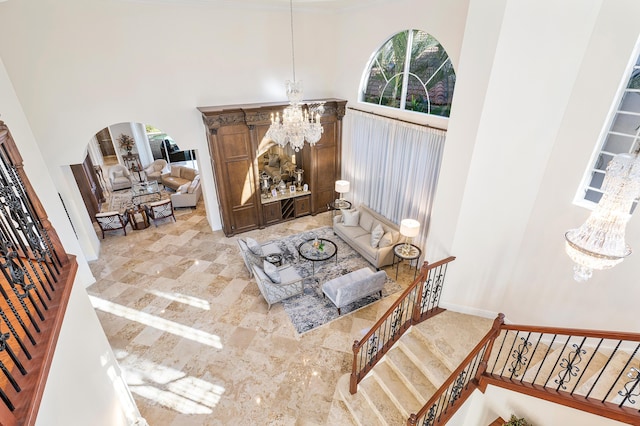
272 272
386 240
366 221
376 235
175 171
118 174
192 186
182 189
351 217
254 246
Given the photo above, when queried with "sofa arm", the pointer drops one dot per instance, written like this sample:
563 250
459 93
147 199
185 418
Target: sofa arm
337 219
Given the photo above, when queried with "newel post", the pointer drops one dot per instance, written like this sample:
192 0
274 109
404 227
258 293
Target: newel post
353 379
412 420
495 332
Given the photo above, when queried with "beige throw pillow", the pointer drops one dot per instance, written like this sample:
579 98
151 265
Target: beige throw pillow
175 171
351 217
182 189
386 240
376 234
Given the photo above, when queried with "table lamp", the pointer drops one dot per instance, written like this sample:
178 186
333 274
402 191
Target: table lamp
342 187
410 229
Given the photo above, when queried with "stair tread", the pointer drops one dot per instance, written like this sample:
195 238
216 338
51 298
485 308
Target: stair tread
358 406
379 401
411 373
339 414
427 361
396 389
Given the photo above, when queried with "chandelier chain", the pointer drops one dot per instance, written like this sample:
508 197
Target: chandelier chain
293 50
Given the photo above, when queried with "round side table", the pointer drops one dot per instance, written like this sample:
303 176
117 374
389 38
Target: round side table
412 254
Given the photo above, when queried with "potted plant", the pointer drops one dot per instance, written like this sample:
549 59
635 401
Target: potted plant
126 142
514 421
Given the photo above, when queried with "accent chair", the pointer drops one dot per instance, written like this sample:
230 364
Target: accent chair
289 283
112 221
160 210
154 170
119 177
251 258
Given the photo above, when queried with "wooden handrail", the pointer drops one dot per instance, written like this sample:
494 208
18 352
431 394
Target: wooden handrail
557 393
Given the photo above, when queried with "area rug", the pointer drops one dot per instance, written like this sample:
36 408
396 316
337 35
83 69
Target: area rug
310 309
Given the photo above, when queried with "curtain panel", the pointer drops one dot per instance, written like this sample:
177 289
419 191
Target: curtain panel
393 167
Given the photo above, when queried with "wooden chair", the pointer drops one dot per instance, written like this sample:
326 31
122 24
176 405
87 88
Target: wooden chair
159 210
112 221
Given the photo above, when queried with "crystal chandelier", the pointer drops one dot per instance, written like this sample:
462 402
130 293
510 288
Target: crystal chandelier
296 124
599 242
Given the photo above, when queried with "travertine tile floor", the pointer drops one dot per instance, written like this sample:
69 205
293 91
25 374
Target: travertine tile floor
193 335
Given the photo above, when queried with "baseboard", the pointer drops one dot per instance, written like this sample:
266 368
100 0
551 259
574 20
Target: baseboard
469 310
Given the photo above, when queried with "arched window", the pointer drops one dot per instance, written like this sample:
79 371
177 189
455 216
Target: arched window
411 71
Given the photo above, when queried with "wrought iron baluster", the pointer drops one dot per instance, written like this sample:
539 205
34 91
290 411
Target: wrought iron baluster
557 360
4 346
634 375
570 365
510 352
520 356
14 333
593 353
544 358
456 389
504 339
602 370
526 368
622 371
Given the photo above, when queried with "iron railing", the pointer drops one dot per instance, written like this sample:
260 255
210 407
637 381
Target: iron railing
417 303
36 277
592 371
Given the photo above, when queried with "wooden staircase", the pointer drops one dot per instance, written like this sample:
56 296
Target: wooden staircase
410 373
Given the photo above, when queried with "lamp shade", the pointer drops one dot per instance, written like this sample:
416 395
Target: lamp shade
342 186
409 227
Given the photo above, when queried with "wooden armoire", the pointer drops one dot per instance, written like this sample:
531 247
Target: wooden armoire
236 136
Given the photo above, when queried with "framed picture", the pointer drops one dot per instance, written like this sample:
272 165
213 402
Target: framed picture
292 189
305 187
274 192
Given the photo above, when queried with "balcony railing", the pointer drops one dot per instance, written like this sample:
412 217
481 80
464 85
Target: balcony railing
35 283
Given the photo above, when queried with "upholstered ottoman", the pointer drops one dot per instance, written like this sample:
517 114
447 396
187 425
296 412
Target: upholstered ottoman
354 286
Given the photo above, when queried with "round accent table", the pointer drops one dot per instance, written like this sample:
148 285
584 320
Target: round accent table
324 250
413 254
338 205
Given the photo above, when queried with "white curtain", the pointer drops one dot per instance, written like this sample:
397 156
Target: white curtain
393 167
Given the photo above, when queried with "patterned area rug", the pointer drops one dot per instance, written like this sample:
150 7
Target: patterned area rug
310 309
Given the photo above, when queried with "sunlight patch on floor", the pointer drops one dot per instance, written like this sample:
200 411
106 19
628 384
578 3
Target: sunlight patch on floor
196 302
157 322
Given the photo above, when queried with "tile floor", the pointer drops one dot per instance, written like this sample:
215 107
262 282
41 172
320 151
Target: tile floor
193 335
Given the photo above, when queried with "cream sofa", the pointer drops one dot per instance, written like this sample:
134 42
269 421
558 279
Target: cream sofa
187 195
178 176
357 233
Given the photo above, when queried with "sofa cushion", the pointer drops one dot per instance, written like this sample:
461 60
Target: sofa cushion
182 189
254 246
386 240
364 245
194 183
351 217
272 272
352 232
188 173
366 221
376 235
175 171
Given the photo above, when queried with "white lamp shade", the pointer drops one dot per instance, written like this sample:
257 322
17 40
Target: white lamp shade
409 228
342 186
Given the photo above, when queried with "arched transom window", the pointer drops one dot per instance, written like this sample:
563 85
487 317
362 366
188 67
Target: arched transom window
411 71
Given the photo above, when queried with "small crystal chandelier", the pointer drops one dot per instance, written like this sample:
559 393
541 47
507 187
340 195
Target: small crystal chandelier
296 125
599 242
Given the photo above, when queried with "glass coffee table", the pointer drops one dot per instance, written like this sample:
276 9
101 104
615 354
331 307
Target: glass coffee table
145 192
318 250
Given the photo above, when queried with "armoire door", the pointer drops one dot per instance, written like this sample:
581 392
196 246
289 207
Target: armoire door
233 166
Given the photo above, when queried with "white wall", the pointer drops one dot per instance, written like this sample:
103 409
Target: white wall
84 385
554 73
483 408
